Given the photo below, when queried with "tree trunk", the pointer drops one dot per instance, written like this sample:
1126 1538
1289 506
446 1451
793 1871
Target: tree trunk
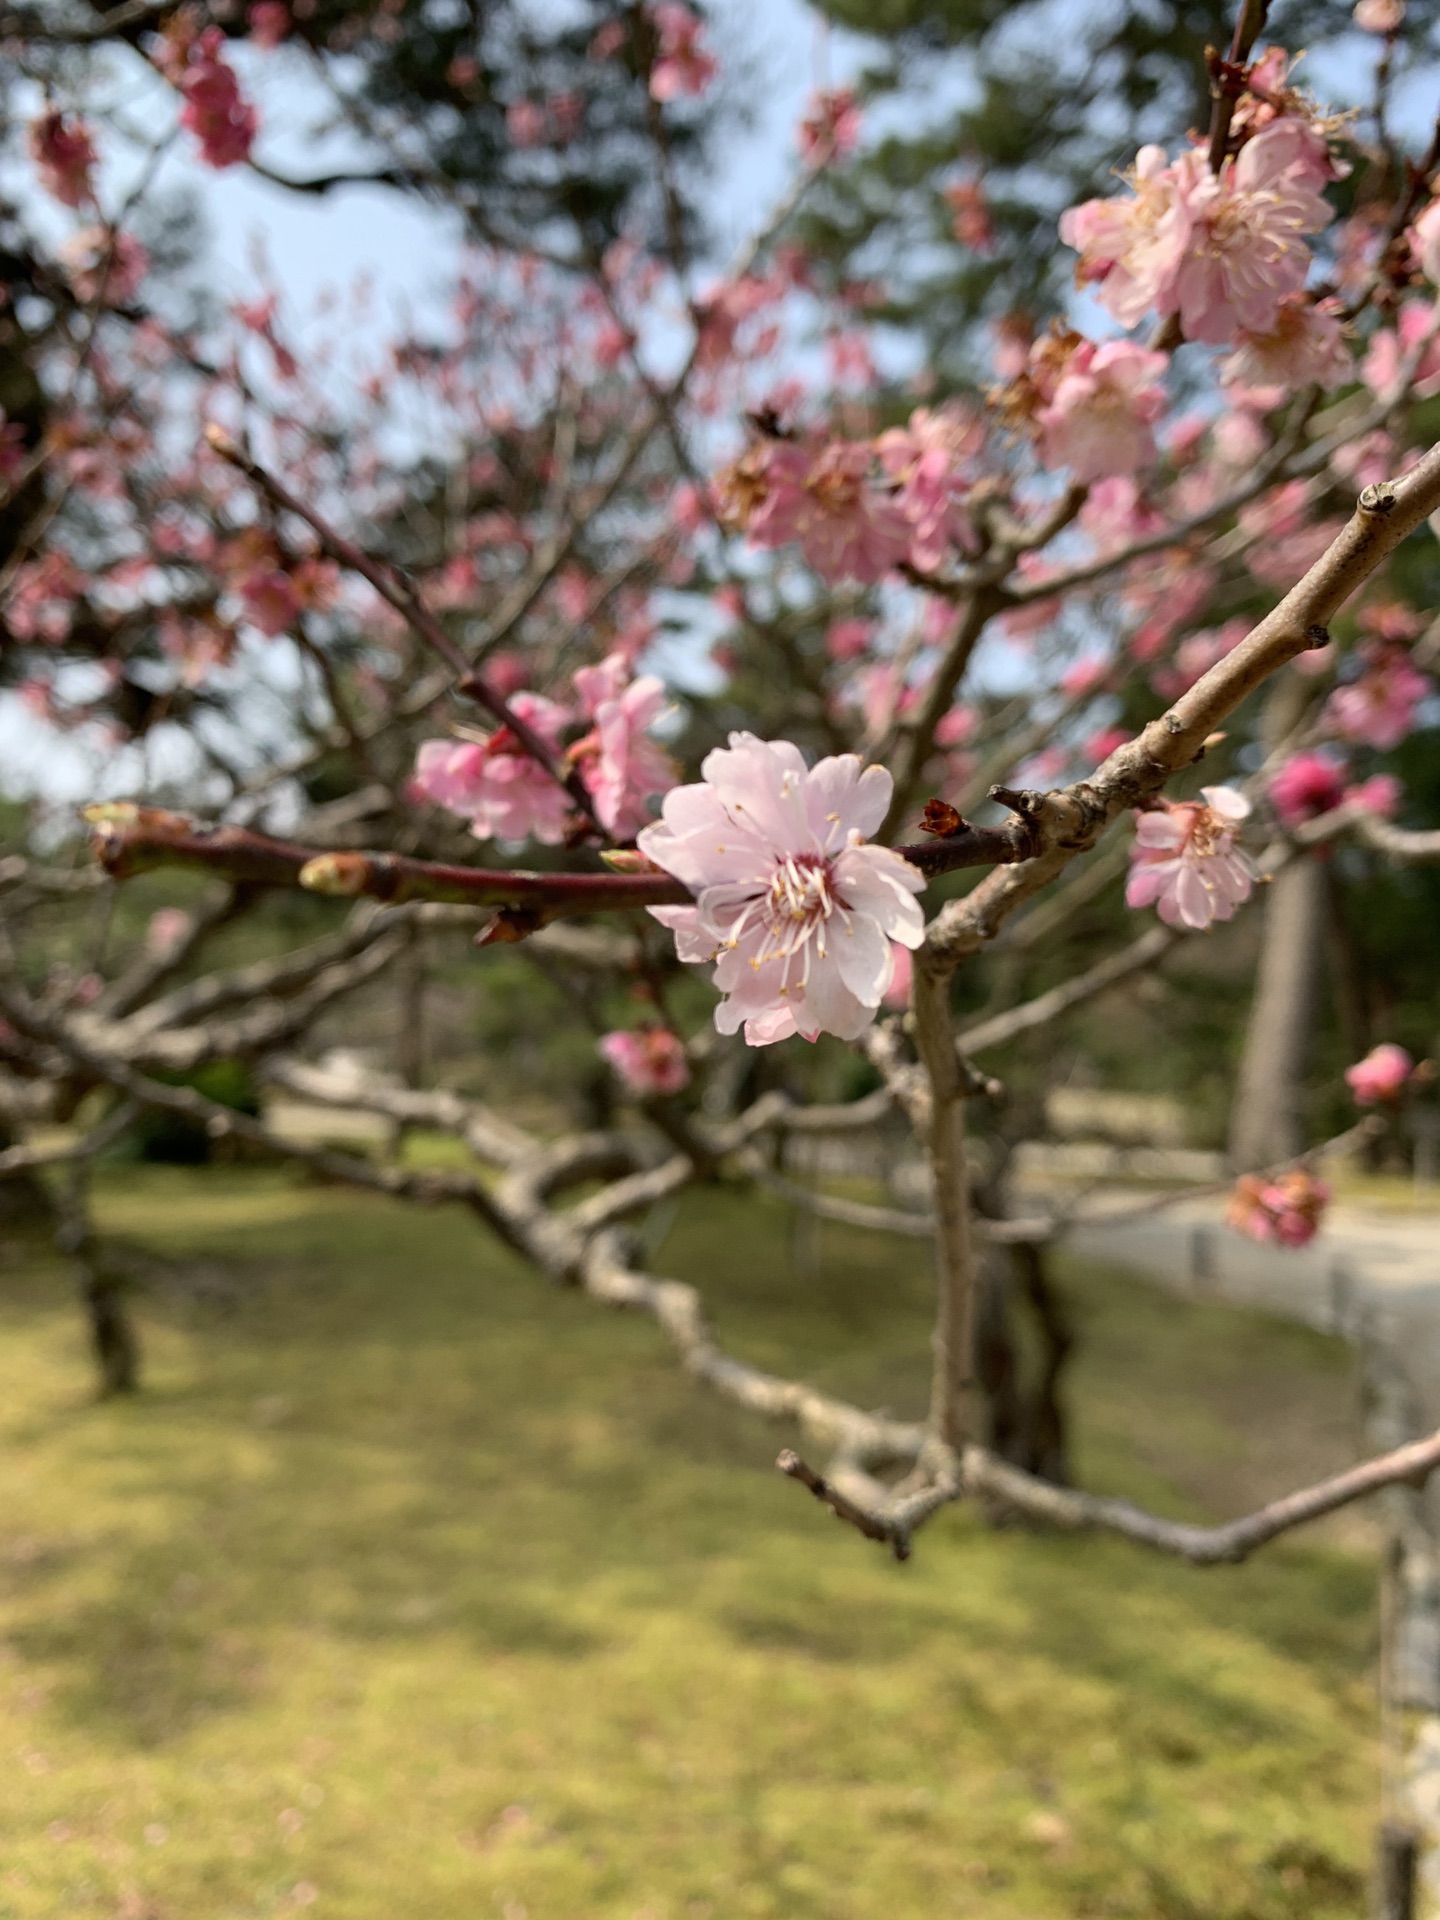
1266 1122
1024 1418
102 1290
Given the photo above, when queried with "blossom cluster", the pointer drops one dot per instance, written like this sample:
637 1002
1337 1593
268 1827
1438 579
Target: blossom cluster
505 794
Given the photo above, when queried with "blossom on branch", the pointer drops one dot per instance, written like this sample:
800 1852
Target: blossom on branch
215 110
1307 785
1378 709
1185 862
792 905
830 129
1221 252
1305 345
683 69
1285 1211
1381 1076
1098 420
64 155
494 783
648 1059
620 764
823 499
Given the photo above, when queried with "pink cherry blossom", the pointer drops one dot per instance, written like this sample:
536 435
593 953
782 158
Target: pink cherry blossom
1378 709
1384 367
830 128
849 639
970 220
931 461
525 123
1097 747
1185 862
1381 1077
648 1059
797 911
64 155
269 22
1222 252
1425 240
1285 1211
43 598
897 994
1380 794
1084 677
1195 656
105 265
215 110
1098 422
168 929
271 602
827 501
1305 346
494 784
1307 785
619 763
684 69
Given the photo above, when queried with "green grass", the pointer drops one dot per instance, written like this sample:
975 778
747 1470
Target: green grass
411 1588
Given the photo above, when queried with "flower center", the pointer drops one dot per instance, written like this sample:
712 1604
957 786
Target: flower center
800 899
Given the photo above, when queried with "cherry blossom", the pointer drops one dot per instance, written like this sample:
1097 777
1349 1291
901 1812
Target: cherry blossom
1425 240
927 459
271 602
107 265
64 154
1285 1211
830 128
797 911
1185 862
897 994
970 216
1307 785
169 927
827 502
684 69
1379 16
1378 709
1380 794
648 1059
215 110
1306 345
1220 252
1098 421
1388 358
269 22
494 783
1381 1077
620 765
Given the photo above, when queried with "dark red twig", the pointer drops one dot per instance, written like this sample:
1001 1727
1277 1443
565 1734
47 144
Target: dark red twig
128 839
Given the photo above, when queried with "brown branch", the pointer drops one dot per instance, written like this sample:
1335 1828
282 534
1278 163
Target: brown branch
128 839
953 1385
